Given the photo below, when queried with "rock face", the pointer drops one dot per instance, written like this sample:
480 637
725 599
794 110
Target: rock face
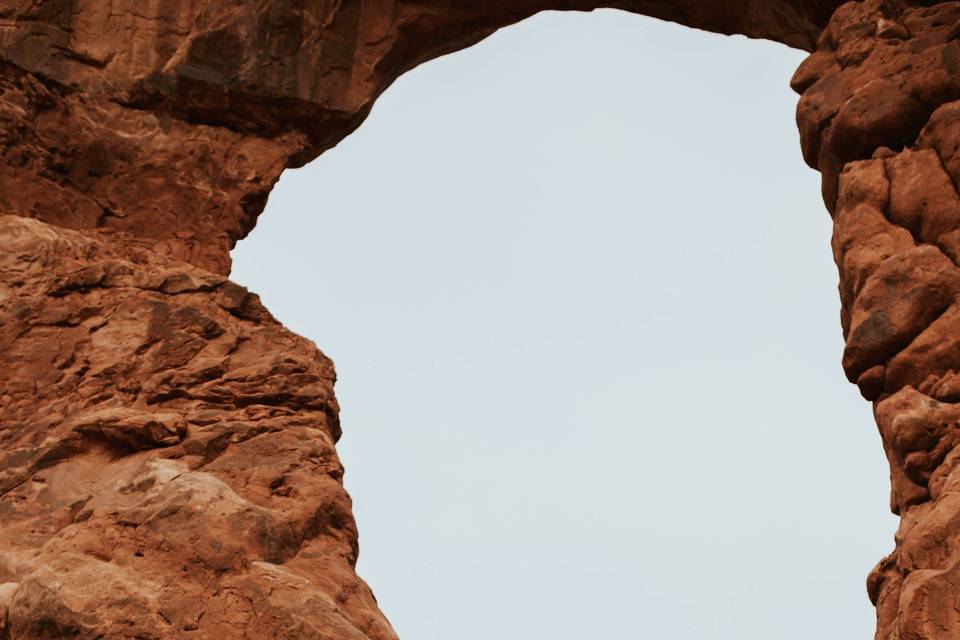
167 460
168 457
880 117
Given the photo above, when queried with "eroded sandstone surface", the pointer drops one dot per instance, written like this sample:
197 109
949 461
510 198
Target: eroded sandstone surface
168 460
167 449
880 117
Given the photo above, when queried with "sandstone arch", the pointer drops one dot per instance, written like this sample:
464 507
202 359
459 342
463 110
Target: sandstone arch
163 433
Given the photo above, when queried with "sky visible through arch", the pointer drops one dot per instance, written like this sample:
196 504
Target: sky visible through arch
578 287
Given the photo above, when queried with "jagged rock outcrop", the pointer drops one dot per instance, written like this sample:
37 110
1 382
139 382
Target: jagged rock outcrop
167 457
167 460
879 116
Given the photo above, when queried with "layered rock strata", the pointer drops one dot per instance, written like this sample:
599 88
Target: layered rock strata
167 460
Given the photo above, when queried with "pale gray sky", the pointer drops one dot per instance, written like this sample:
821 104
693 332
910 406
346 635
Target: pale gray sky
577 283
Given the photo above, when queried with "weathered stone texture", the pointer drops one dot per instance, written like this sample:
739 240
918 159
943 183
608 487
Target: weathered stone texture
171 121
167 456
167 461
879 116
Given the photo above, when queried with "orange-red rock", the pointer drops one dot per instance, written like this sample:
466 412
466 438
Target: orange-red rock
167 460
878 116
123 116
168 443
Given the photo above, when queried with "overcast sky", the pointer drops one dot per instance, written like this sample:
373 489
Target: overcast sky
578 287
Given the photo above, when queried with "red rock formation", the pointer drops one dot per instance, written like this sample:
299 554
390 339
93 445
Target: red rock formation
880 117
167 460
123 118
